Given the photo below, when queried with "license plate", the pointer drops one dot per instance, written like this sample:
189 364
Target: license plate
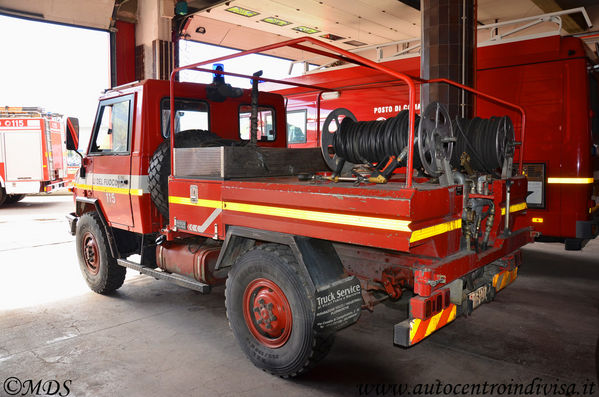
479 296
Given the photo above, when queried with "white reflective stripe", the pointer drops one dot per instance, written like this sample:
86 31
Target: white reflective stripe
136 184
202 228
140 182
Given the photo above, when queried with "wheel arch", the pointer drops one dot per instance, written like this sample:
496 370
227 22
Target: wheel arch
317 259
84 205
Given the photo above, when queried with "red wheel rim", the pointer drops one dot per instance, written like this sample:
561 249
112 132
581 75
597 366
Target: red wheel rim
267 313
91 254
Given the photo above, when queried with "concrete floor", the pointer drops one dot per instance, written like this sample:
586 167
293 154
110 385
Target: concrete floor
156 339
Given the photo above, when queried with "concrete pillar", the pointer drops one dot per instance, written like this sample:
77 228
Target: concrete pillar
153 51
448 51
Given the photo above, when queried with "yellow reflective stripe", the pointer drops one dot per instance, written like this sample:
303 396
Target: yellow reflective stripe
106 189
318 216
432 325
515 208
414 324
571 181
327 217
435 230
199 203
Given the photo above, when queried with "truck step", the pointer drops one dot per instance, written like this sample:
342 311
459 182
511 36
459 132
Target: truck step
175 278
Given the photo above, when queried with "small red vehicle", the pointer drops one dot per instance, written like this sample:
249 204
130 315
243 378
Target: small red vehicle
32 154
176 173
555 79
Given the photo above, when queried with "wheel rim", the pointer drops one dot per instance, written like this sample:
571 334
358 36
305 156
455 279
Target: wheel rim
91 253
267 313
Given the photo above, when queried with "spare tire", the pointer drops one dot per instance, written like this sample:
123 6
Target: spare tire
160 164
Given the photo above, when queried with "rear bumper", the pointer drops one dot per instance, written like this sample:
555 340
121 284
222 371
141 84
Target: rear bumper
72 218
23 187
413 330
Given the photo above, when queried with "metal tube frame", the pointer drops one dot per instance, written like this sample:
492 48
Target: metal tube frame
337 53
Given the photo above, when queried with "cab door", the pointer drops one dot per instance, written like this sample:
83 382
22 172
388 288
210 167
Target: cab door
109 155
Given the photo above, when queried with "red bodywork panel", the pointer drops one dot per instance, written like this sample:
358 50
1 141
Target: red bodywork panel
547 77
286 205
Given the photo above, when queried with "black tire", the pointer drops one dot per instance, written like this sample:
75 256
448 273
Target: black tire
3 196
160 164
14 198
574 244
303 347
100 270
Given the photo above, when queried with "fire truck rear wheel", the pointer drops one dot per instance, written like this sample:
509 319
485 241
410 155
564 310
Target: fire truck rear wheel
271 310
100 270
2 196
14 198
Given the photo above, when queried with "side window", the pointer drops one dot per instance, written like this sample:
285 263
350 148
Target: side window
112 134
266 123
189 115
297 126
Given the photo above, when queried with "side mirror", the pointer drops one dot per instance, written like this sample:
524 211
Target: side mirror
72 133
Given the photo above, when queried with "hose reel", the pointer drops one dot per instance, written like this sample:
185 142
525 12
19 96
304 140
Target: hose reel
385 142
489 143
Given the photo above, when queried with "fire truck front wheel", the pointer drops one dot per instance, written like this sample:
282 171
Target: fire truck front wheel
100 270
271 311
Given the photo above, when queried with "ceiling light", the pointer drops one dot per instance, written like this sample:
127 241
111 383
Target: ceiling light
276 21
242 11
305 29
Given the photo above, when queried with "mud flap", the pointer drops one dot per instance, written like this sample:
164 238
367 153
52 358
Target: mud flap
337 296
338 305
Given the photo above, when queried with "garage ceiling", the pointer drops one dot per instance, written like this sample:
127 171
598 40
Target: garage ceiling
357 23
365 22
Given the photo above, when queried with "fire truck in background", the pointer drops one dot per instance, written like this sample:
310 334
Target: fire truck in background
33 158
554 78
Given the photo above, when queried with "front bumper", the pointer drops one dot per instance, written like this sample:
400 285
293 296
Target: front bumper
72 218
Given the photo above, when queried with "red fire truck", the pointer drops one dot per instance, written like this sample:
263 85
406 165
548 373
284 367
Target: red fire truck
304 241
32 154
554 78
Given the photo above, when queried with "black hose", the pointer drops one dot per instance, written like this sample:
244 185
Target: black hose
367 142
